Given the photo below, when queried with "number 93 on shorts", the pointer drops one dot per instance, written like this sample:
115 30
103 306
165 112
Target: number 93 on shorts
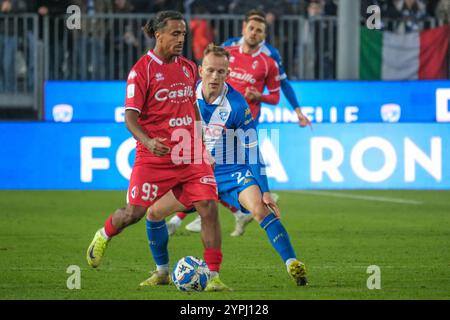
188 183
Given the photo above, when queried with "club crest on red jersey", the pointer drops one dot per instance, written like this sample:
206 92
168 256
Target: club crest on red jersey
186 72
134 192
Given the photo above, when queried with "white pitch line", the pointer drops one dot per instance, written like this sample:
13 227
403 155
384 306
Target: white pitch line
357 197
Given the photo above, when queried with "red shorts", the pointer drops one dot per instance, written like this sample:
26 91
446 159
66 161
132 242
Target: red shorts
189 183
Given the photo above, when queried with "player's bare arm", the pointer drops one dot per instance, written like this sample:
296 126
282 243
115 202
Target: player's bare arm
155 145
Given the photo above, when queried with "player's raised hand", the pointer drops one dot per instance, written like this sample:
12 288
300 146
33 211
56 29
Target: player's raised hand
271 204
252 94
157 147
302 119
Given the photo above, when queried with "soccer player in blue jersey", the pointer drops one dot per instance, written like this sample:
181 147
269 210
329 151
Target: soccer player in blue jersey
231 138
241 219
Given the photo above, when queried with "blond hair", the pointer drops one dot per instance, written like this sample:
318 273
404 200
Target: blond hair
217 51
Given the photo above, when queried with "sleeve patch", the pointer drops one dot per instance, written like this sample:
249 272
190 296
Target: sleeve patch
130 90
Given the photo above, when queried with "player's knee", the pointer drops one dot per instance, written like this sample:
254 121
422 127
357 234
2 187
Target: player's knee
134 214
259 211
153 214
206 208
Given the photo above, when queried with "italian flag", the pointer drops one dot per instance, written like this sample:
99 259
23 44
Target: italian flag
411 56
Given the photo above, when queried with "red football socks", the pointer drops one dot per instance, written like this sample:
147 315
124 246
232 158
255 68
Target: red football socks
213 258
110 230
181 215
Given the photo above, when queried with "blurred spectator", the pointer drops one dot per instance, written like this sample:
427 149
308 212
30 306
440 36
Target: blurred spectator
141 6
275 7
431 7
125 44
202 33
90 55
160 5
211 7
315 9
296 7
122 6
412 13
9 40
53 9
330 7
442 11
318 63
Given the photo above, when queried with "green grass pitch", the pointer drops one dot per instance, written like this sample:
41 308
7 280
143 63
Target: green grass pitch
338 234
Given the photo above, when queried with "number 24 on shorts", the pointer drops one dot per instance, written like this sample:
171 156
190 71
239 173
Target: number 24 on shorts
240 178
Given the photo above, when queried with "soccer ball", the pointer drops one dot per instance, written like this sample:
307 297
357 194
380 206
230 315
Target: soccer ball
190 274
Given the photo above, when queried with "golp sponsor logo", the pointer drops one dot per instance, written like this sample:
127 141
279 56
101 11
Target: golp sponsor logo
178 122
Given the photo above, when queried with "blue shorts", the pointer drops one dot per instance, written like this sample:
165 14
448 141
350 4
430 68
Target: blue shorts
230 184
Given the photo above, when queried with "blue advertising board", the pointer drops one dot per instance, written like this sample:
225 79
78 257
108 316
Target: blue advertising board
331 156
321 101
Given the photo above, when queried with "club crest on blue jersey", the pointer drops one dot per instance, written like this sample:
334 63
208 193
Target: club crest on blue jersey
224 115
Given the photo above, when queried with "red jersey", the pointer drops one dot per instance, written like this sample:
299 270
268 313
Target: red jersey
164 96
256 70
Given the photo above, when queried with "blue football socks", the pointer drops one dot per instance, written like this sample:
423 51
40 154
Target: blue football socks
158 238
278 237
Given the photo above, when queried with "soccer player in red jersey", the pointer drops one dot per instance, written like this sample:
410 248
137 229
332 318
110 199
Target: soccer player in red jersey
251 70
161 112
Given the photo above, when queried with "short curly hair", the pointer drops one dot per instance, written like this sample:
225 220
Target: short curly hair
159 21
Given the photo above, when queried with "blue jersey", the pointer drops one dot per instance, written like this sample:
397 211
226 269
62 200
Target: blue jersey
230 136
266 48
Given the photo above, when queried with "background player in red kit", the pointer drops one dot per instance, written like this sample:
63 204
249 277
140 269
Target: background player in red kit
161 105
251 70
